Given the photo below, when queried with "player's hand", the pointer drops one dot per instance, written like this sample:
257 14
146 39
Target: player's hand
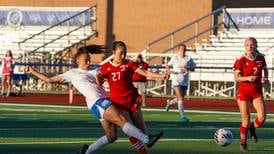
99 78
28 69
265 80
252 78
184 69
167 76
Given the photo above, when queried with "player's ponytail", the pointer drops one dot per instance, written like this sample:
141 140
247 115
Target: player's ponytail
93 49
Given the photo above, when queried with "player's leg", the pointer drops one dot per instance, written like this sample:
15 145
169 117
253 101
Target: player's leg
3 81
9 85
260 108
138 121
110 136
143 93
245 117
180 93
113 115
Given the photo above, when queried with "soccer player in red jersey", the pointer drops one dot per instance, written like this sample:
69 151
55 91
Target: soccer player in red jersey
123 94
248 70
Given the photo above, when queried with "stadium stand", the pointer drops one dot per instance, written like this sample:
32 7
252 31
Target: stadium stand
27 38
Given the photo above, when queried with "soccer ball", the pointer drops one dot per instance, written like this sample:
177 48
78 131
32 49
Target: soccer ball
223 137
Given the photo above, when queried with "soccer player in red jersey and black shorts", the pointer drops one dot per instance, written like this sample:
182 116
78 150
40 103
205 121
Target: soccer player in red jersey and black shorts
123 94
248 70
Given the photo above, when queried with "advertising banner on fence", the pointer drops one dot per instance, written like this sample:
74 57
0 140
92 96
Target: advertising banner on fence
42 16
250 17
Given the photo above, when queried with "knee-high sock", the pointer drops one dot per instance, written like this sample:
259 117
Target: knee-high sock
243 133
257 123
181 108
138 145
100 143
173 101
131 130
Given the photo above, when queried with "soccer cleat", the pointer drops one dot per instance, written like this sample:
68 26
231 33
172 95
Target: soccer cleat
152 139
243 147
83 149
167 105
253 134
184 120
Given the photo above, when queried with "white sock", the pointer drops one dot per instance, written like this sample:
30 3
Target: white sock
131 130
173 101
100 143
181 108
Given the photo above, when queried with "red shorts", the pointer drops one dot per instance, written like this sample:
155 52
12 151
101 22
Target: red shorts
129 104
249 94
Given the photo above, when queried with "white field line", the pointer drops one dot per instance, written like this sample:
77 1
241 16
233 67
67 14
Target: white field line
39 105
144 109
119 141
157 127
34 110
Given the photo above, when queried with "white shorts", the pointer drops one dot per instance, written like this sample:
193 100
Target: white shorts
179 80
99 108
141 86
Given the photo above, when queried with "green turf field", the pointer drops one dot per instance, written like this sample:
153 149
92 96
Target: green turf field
37 129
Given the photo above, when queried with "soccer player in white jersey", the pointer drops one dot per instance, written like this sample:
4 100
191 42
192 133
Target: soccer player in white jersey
86 82
181 64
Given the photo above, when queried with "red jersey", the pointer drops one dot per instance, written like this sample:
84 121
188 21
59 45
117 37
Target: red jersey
119 78
249 67
139 77
7 66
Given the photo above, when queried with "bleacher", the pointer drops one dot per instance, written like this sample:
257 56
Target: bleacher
222 50
10 38
48 33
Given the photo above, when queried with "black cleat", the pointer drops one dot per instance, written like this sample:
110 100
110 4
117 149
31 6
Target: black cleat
152 139
253 134
83 149
243 147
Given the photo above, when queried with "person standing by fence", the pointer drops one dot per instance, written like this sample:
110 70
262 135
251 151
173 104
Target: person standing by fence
140 81
7 72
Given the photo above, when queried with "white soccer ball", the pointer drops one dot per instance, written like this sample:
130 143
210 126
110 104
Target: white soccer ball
223 137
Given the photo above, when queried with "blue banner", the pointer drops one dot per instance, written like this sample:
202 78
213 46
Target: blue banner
17 17
251 19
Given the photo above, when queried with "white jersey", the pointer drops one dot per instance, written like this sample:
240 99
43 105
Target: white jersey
85 82
179 75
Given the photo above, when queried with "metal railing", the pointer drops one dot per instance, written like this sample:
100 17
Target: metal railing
191 33
71 34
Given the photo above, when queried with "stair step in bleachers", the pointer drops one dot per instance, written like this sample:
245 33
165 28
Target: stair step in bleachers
10 38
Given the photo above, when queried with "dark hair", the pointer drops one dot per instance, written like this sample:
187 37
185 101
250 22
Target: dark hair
10 53
117 44
92 49
182 45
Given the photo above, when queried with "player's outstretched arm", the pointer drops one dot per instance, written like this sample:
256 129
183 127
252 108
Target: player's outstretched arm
152 75
43 77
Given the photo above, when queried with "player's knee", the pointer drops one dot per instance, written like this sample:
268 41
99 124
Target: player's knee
120 120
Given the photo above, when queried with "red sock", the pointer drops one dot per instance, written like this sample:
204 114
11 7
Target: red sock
243 132
258 123
138 145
